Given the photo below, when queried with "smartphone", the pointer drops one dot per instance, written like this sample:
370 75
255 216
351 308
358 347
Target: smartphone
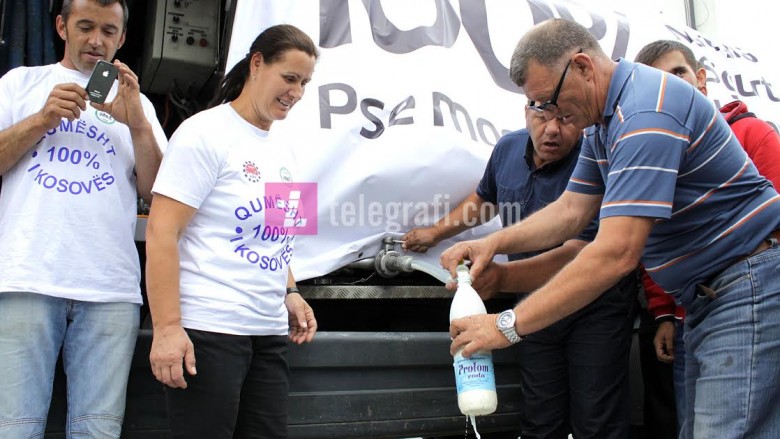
100 82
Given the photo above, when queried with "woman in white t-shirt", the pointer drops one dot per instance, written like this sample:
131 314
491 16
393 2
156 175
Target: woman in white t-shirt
218 278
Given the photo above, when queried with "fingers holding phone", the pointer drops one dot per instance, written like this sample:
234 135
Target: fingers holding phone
66 101
126 106
126 76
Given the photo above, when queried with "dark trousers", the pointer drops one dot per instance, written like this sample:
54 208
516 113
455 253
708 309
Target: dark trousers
660 418
240 390
574 373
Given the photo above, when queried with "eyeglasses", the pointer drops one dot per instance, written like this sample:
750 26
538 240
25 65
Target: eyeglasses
551 107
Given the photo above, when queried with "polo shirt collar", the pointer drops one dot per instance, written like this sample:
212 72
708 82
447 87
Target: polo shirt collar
619 78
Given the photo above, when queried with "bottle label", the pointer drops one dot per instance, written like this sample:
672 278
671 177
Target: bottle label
475 373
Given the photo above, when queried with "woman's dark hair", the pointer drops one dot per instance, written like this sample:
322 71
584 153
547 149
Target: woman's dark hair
272 43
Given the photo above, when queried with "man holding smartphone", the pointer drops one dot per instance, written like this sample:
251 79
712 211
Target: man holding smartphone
69 271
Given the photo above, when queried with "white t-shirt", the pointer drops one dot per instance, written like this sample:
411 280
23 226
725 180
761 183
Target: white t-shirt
68 207
233 263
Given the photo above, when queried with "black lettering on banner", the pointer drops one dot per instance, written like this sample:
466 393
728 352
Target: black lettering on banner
483 129
736 85
475 21
407 103
481 125
336 30
326 108
455 109
701 41
365 104
598 28
443 32
335 24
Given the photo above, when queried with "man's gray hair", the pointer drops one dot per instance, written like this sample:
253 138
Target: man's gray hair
550 44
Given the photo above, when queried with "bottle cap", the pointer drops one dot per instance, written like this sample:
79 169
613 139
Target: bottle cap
463 273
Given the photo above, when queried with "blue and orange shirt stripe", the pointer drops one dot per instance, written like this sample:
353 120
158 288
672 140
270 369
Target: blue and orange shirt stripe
676 160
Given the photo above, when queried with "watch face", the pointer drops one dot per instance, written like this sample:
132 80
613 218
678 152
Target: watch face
506 319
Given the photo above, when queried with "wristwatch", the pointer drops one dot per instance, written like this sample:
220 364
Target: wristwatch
506 324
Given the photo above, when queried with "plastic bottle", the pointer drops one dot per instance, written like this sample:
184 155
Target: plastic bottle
474 376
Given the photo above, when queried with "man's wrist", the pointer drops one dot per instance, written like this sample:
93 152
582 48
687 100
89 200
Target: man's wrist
666 318
493 242
143 127
506 322
293 290
501 270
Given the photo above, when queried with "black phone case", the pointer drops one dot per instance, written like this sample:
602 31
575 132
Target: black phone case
103 76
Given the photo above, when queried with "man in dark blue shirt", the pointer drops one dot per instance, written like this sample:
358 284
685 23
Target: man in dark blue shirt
573 373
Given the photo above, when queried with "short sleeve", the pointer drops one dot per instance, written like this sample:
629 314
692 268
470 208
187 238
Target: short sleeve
486 189
586 177
8 87
190 166
647 152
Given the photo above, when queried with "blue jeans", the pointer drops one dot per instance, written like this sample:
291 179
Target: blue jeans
97 342
732 360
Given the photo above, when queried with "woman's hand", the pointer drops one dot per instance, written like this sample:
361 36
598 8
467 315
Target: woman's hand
303 325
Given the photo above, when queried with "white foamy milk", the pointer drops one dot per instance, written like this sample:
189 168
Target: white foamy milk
474 377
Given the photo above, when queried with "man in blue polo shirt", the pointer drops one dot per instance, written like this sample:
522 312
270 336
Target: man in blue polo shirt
672 187
527 170
573 373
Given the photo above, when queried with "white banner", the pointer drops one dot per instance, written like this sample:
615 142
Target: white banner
410 96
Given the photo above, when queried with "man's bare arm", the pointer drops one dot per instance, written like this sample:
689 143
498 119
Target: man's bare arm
147 160
547 228
65 101
467 214
551 226
616 250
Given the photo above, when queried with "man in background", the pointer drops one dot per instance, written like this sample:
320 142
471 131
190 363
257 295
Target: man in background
662 350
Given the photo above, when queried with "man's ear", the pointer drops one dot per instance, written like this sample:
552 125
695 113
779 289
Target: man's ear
701 80
583 64
122 40
60 25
